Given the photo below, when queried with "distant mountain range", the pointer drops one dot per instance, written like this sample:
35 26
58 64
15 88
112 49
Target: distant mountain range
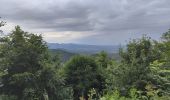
64 55
84 49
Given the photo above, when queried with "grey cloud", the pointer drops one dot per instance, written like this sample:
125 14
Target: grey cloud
71 17
111 17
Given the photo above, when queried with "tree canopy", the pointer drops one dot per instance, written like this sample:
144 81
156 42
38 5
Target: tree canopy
29 71
82 74
24 59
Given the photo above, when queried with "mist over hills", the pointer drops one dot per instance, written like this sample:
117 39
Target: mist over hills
84 49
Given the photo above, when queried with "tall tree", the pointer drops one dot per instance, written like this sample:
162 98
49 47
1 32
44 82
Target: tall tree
82 75
103 59
136 61
161 68
164 46
24 62
2 23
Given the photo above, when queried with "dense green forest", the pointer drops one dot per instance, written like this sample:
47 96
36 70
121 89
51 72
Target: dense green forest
28 71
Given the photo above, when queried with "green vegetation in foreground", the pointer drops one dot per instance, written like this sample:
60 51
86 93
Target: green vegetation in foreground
29 72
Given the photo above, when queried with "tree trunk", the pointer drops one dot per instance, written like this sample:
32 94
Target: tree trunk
45 95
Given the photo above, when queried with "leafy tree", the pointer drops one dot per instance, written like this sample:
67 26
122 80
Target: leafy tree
102 59
161 67
82 75
135 61
107 66
133 94
25 65
2 23
164 47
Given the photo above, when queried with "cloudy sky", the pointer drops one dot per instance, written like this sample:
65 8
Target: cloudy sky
101 22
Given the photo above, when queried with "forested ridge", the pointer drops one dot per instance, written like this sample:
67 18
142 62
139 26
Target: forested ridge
29 72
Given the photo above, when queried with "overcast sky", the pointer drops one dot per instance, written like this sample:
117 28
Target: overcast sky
101 22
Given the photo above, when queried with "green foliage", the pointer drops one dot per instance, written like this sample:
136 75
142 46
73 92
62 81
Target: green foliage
142 63
111 76
134 95
82 75
135 62
160 68
104 66
102 59
116 96
26 70
2 23
29 72
7 97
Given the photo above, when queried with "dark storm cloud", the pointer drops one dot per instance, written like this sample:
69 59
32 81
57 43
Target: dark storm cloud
108 18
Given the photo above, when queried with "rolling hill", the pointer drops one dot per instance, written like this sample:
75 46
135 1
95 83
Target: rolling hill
84 49
63 54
